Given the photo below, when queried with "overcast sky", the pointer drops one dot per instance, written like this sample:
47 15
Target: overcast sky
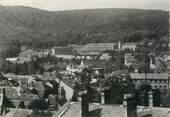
55 5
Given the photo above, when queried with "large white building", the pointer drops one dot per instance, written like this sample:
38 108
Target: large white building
130 46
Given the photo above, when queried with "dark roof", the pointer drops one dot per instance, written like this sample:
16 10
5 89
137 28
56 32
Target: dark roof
150 76
63 51
97 63
12 94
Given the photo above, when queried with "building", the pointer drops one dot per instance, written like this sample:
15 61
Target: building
19 60
96 48
83 108
96 110
151 111
12 60
129 59
105 56
156 80
130 46
143 111
72 69
44 53
23 48
63 52
29 53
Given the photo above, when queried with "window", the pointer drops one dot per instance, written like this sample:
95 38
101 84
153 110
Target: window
165 87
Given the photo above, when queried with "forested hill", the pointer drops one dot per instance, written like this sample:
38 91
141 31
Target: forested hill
79 26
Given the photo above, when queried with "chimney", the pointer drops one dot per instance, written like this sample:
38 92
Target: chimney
102 97
150 95
84 105
124 100
119 46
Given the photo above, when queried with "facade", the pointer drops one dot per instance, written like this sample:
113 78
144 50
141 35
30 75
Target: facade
129 59
67 86
105 56
156 80
19 60
96 48
63 52
130 46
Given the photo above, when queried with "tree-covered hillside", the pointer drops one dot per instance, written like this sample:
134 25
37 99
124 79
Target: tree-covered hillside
36 26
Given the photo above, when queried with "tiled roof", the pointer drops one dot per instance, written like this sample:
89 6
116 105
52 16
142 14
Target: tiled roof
155 112
157 76
39 86
12 94
96 110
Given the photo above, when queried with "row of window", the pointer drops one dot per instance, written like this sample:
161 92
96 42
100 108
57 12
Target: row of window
153 81
160 86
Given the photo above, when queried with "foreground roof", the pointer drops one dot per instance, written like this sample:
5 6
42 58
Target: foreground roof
155 112
96 110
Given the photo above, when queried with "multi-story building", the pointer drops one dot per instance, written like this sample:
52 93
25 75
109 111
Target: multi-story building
156 80
96 48
63 52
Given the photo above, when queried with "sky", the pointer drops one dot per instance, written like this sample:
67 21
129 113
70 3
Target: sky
59 5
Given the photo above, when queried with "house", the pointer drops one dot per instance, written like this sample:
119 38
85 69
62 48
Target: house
143 111
23 48
130 46
83 108
67 85
72 69
105 56
44 53
29 53
63 52
19 60
150 110
156 80
95 110
12 60
129 59
166 58
16 97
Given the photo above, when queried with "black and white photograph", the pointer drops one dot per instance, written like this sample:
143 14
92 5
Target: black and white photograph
84 58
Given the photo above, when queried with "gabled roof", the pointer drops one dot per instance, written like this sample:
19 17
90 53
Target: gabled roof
39 86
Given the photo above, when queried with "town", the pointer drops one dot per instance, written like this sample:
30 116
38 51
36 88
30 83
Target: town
84 58
88 81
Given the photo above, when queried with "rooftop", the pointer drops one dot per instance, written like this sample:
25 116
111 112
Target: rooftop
63 50
151 76
155 112
12 94
96 110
